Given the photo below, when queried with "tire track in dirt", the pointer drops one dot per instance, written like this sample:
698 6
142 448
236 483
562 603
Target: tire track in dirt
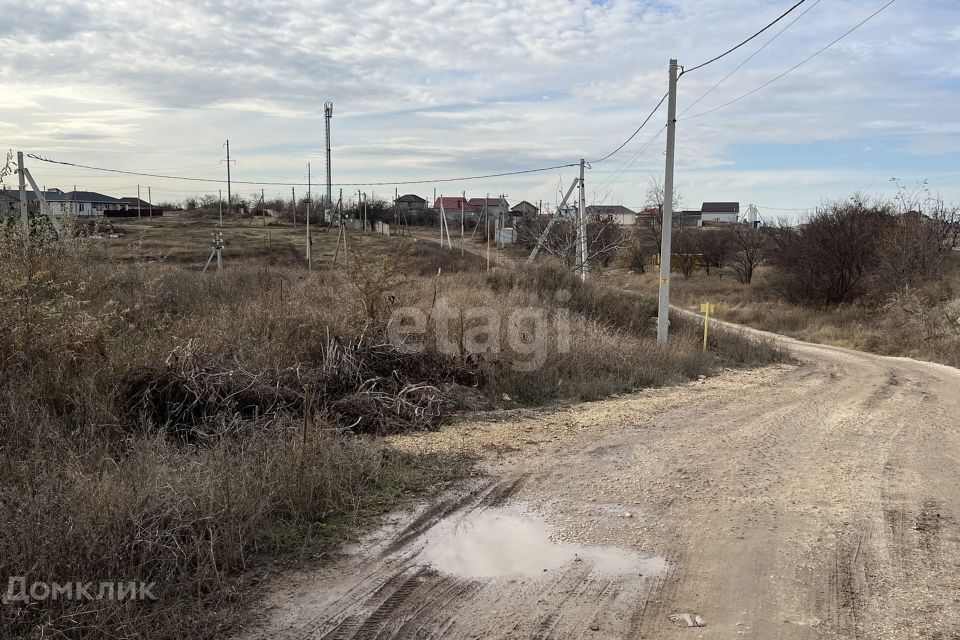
792 502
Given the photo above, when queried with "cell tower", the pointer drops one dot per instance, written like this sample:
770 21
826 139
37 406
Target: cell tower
327 114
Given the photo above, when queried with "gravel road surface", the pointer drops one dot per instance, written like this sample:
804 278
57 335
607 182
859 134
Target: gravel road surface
796 501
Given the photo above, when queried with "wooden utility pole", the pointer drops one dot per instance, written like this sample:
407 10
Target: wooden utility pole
293 203
150 200
263 208
462 200
220 196
138 202
663 307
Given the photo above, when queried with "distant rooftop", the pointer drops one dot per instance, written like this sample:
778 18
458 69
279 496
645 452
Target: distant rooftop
720 207
609 210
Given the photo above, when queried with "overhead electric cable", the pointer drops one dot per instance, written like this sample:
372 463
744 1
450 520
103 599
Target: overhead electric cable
796 66
619 171
751 57
734 48
634 134
299 184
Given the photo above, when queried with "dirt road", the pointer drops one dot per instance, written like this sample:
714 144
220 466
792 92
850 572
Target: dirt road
797 501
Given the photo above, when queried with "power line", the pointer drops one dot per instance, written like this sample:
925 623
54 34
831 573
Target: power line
734 48
751 57
796 66
634 134
663 99
763 206
619 171
300 184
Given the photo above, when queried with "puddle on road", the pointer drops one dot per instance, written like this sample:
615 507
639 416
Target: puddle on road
497 542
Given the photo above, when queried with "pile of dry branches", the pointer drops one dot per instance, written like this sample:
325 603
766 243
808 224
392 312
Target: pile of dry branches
364 388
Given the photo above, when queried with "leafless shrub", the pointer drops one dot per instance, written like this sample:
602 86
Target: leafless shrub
605 238
685 256
749 249
848 249
716 246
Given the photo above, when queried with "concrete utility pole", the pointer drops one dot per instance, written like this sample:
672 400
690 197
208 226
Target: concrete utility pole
309 196
220 197
666 224
293 200
583 223
24 214
229 193
461 222
138 202
486 222
327 114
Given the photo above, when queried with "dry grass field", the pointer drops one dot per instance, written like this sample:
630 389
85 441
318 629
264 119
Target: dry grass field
197 431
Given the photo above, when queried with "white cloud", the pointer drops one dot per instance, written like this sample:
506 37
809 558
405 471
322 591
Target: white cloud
444 87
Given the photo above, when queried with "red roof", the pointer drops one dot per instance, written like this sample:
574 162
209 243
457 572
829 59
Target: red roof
652 212
453 203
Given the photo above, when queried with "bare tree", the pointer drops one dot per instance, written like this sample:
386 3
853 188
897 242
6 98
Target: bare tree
605 238
918 239
829 258
748 251
715 246
655 195
686 253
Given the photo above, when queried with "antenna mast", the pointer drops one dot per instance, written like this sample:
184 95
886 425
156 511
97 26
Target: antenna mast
327 114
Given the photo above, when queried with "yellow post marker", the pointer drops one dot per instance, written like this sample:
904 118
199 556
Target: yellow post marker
706 309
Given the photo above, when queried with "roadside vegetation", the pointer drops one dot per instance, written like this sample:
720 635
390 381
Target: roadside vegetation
878 276
199 431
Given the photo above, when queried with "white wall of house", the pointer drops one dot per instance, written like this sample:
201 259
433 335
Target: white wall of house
719 217
624 219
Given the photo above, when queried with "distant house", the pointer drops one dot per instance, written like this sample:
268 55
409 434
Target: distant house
617 213
688 218
135 206
452 204
495 207
10 201
411 202
90 203
649 216
720 212
524 209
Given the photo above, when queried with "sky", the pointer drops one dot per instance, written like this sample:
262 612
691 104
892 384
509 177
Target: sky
432 89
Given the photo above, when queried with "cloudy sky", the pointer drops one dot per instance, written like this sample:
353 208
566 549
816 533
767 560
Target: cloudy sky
428 89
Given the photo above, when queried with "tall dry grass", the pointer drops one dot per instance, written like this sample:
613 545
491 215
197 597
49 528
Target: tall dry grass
921 321
162 426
